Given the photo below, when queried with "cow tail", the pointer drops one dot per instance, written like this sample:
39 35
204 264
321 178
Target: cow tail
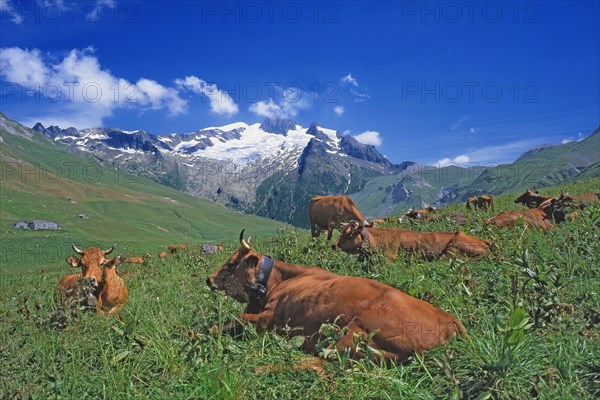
468 206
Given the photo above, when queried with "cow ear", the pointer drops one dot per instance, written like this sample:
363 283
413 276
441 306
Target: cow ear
251 261
73 261
112 262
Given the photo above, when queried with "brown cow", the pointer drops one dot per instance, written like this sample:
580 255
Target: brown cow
531 199
589 196
162 254
427 215
420 214
540 217
134 260
282 296
329 212
176 247
484 202
356 239
108 292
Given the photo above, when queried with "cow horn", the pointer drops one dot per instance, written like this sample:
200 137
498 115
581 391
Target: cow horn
109 250
242 241
76 249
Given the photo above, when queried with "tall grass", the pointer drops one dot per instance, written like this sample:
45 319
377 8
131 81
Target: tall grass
531 311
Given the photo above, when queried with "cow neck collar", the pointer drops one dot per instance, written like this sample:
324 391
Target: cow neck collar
262 276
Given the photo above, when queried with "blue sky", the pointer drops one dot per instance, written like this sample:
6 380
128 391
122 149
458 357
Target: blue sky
469 82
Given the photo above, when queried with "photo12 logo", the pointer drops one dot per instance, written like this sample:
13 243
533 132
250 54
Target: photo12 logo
469 92
471 12
270 12
54 172
70 12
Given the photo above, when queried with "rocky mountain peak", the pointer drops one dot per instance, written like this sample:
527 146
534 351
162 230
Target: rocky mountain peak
354 148
280 126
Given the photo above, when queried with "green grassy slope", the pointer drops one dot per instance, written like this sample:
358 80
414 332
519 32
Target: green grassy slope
38 176
385 195
530 310
550 166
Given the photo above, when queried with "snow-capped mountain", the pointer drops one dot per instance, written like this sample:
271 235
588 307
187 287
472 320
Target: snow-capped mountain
260 168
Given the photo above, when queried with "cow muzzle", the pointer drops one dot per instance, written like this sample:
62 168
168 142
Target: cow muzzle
91 281
210 282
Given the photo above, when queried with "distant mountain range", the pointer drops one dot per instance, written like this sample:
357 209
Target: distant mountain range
272 169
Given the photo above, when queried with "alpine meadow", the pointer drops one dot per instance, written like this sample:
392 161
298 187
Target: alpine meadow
299 200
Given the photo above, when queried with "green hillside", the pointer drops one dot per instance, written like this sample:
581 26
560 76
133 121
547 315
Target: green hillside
550 166
530 310
414 187
38 177
537 168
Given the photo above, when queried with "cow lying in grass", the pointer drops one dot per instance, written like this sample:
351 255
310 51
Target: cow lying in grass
282 296
429 214
356 239
543 217
98 284
531 199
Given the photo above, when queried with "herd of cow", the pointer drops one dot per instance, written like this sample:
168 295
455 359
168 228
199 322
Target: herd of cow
280 296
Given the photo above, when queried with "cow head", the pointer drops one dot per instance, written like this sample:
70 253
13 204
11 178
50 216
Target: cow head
91 262
413 214
351 238
527 197
237 275
111 264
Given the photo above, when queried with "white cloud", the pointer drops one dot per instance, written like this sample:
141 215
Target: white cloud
339 110
96 12
461 161
460 123
6 7
267 109
572 139
220 101
23 66
493 155
359 93
474 130
82 91
369 137
359 97
292 101
349 79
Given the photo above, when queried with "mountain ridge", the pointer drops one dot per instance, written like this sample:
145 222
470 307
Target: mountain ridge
274 168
